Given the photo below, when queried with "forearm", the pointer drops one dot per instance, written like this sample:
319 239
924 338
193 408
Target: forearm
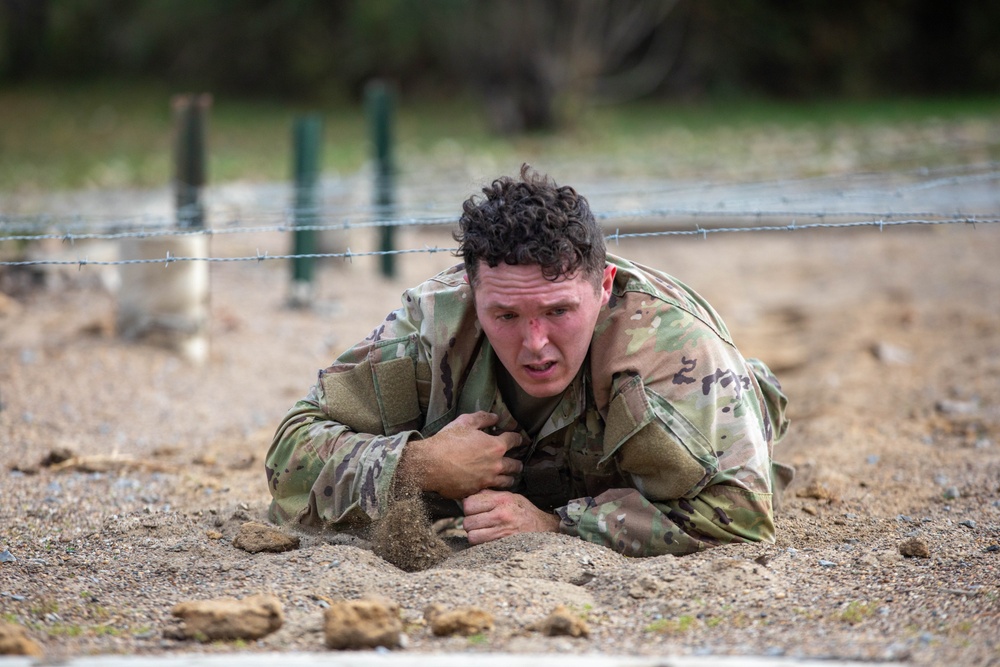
623 520
320 472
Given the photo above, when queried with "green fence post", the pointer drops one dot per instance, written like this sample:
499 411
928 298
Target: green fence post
380 113
190 114
307 140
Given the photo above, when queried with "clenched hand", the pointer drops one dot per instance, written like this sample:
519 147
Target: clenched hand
462 459
490 515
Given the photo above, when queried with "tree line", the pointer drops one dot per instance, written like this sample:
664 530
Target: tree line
527 58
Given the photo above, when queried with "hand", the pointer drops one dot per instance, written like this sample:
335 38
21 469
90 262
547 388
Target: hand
462 459
490 515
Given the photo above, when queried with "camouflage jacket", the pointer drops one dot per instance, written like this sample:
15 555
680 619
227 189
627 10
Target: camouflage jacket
662 444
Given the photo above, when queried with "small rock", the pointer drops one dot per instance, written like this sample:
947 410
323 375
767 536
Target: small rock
914 548
562 623
359 624
256 537
827 563
810 509
951 493
57 456
949 407
7 557
892 354
14 641
228 618
968 523
460 621
817 490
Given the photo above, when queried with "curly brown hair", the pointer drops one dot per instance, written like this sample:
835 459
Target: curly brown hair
531 221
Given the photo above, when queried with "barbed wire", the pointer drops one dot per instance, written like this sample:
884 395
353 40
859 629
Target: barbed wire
637 214
330 189
616 237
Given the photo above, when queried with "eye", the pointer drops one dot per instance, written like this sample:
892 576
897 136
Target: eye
558 312
506 317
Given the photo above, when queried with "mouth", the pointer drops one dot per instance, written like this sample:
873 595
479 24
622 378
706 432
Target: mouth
539 369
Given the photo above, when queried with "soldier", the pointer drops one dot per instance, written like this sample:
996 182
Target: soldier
541 385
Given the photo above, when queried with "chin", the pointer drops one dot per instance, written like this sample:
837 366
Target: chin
544 391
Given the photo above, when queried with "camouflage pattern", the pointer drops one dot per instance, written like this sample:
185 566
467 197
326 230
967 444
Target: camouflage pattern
662 443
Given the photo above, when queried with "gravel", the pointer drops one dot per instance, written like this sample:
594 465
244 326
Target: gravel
165 466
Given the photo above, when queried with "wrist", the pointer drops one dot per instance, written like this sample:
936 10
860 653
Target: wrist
412 471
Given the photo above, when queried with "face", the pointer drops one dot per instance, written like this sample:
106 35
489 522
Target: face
540 329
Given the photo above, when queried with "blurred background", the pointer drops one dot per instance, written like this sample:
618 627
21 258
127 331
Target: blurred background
85 84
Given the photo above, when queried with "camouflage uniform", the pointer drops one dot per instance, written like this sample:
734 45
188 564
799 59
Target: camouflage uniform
662 443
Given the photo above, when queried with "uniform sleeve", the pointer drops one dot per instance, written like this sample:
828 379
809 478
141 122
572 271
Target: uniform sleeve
687 425
334 455
624 520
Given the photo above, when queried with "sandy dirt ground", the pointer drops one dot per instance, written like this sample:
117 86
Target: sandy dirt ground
888 344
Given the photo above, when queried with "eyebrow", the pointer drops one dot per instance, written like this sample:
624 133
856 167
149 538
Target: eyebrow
563 303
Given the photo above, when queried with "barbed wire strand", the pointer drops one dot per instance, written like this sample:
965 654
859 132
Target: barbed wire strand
615 237
942 177
642 214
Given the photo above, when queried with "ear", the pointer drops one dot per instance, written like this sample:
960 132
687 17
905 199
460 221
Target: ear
607 282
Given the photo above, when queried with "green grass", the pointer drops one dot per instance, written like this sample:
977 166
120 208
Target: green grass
118 134
672 626
857 612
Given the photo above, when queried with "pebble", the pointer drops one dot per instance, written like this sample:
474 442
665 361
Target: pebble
968 523
827 563
255 537
7 557
951 493
228 618
359 624
957 407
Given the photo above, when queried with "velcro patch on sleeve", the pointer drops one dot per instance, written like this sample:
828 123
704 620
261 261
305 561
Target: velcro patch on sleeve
351 398
664 468
397 391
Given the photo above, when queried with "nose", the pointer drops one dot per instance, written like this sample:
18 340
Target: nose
535 336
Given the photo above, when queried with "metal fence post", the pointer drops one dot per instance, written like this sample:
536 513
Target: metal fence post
190 112
379 98
168 304
307 136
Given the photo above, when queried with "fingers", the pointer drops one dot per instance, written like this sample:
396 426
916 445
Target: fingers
504 482
480 502
509 466
511 439
477 420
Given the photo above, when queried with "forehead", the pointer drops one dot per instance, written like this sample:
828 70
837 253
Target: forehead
523 284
